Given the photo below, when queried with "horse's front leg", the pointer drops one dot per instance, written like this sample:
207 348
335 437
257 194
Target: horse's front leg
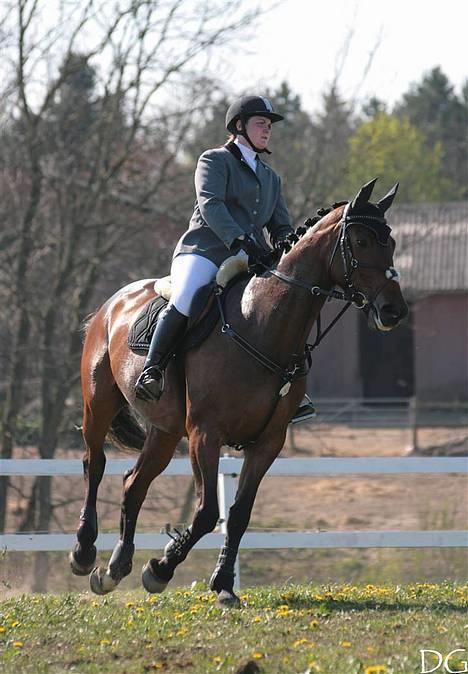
204 454
157 452
257 461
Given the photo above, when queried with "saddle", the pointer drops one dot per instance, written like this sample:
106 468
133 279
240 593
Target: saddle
204 312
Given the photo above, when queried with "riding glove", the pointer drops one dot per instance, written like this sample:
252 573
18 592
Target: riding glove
253 249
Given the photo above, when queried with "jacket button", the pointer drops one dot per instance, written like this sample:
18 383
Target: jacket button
254 212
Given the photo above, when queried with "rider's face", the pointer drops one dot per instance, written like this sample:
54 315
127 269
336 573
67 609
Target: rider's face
259 131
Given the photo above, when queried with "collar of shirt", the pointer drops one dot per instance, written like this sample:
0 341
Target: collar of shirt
249 155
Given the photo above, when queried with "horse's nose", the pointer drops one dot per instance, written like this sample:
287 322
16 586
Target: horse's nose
391 314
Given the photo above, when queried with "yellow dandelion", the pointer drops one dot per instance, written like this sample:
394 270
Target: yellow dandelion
181 632
257 619
18 644
94 603
257 655
217 658
375 669
283 607
130 604
157 665
130 622
313 624
15 623
2 629
139 609
346 644
313 667
105 642
300 642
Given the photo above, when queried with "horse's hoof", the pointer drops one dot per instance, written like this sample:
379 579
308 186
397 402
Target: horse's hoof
151 582
101 582
82 569
227 599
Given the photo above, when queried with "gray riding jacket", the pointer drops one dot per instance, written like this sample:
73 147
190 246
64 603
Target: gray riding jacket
232 200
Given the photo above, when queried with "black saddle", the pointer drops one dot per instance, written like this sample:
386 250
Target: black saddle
203 317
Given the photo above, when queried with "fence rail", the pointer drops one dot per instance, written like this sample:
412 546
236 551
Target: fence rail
229 470
390 412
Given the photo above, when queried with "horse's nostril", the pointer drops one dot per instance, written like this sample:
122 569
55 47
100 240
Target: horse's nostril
390 311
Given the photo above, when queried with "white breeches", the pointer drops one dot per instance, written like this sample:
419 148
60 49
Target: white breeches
189 273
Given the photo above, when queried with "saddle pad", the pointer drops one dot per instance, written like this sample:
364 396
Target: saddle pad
139 336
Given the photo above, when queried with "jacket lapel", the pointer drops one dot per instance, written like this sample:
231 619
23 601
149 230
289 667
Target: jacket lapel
233 149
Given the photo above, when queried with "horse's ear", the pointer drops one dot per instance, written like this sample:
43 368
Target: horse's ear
386 201
363 196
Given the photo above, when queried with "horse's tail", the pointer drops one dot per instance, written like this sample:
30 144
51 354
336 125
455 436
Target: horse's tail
125 432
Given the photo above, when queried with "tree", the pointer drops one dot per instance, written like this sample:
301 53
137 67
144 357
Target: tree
89 169
393 149
434 108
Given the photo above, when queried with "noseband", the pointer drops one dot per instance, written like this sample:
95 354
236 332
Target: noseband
350 264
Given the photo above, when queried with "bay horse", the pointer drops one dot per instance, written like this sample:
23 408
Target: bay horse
220 393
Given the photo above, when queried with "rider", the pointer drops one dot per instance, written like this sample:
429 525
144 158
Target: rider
237 196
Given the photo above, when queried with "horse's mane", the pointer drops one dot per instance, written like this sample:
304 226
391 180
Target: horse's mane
310 222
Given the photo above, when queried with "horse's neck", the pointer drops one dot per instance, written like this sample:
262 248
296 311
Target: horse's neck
281 315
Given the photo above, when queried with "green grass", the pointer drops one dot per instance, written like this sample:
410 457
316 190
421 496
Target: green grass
333 629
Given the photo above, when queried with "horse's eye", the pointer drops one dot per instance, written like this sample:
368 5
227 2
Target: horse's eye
362 243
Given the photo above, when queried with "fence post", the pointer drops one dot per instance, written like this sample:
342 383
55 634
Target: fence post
227 488
413 424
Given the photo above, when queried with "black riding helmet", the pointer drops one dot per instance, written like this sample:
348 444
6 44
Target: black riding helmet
249 106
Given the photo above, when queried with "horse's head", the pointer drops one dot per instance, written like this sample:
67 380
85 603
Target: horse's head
362 259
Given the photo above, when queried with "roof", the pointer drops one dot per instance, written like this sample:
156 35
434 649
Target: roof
432 247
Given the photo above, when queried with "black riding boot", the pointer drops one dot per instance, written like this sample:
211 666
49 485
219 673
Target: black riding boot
169 328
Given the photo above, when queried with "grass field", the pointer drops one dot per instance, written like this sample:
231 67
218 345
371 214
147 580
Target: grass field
333 629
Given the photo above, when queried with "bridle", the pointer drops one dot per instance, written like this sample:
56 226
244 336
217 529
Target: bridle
351 264
301 363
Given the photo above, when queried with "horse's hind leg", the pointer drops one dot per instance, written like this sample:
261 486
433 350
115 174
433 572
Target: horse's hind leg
158 450
102 401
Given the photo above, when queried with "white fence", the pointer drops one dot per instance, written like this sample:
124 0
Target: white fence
229 469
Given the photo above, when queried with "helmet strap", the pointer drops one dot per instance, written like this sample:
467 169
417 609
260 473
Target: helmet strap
243 132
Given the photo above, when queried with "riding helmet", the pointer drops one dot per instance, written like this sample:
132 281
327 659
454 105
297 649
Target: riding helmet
248 106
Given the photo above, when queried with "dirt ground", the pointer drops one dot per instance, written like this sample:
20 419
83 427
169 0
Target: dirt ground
393 502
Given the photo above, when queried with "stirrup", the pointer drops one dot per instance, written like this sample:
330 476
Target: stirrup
150 384
304 412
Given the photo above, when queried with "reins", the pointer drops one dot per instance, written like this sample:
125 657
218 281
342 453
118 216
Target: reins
296 370
301 364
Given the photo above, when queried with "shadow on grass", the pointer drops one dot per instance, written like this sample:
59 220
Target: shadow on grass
330 605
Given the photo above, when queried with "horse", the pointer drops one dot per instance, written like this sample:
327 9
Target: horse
241 386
